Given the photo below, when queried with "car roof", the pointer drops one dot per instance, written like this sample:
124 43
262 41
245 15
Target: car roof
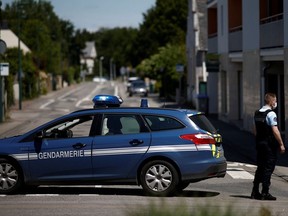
142 110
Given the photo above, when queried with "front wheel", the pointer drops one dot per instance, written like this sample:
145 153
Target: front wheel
159 178
10 177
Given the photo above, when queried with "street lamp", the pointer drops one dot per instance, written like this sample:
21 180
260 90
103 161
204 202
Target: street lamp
111 69
19 57
101 67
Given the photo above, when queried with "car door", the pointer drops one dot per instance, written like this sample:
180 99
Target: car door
63 153
123 142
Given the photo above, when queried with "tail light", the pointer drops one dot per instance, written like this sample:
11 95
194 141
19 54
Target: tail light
199 139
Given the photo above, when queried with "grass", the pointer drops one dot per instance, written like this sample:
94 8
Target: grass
163 209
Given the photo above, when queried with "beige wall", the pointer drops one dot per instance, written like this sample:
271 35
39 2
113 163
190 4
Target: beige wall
251 87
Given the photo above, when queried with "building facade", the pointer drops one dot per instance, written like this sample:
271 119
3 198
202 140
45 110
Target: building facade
250 40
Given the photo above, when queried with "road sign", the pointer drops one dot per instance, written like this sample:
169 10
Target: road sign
4 69
180 68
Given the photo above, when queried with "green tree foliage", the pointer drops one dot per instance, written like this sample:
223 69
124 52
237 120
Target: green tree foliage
161 43
164 23
50 39
162 67
157 45
115 44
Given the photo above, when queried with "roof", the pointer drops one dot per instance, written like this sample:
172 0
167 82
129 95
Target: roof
11 40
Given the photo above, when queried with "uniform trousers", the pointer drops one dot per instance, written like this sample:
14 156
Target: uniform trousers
266 162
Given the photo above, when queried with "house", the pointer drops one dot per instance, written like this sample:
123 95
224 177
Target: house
11 40
250 40
88 57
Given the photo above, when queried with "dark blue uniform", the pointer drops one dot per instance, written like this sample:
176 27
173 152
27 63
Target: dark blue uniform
267 147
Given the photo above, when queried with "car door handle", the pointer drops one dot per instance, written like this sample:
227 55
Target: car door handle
136 142
79 145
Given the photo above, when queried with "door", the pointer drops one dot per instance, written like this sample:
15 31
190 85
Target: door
63 152
124 140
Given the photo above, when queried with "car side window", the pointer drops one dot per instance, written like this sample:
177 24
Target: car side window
158 123
75 127
120 124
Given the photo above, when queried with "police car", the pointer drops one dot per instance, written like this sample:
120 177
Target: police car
163 150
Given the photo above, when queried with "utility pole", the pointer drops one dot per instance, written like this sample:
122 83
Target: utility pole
19 56
191 50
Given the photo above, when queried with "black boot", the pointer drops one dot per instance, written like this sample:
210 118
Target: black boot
267 196
255 194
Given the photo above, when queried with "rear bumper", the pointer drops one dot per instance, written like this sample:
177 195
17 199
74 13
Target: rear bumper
213 171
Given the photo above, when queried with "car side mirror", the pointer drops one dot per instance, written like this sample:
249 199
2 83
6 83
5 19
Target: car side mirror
40 135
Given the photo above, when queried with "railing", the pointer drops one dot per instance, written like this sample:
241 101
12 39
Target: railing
272 34
271 18
209 1
235 29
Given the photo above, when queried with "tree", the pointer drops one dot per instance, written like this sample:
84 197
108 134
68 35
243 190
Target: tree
162 67
49 39
115 44
164 23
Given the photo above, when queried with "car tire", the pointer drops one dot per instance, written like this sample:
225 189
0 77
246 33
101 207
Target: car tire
159 178
10 177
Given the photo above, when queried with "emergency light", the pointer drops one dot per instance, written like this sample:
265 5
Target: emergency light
107 101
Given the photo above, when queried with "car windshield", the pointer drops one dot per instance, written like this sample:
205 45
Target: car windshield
138 84
202 122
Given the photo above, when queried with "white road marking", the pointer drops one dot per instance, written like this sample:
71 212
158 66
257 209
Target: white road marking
61 98
88 195
41 195
236 172
239 173
43 106
88 98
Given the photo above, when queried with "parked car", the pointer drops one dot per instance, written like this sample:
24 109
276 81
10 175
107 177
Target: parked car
138 87
100 79
163 150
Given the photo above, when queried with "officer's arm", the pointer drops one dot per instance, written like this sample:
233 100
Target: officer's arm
277 136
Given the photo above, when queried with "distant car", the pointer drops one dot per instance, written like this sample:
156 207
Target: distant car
100 79
163 150
130 80
138 87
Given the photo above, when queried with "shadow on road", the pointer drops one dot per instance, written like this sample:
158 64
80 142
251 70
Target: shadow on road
135 191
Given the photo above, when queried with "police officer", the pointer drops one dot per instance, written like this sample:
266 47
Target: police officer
268 142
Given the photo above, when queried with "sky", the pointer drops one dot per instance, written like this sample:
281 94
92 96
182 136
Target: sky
94 14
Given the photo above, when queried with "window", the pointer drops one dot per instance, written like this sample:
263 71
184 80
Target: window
158 123
75 127
120 124
202 122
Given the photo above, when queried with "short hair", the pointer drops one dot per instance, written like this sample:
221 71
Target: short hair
269 97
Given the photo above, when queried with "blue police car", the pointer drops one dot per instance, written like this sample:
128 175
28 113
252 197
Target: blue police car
163 150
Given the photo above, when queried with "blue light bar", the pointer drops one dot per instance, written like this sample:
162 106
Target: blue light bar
107 101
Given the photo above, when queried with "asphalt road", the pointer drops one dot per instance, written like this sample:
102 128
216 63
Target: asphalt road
233 190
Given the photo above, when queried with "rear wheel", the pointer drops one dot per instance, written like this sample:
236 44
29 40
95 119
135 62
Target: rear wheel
10 177
159 178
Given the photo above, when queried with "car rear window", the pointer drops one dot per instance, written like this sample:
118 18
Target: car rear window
158 123
202 122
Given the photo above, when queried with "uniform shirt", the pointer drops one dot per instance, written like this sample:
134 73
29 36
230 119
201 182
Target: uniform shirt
271 118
